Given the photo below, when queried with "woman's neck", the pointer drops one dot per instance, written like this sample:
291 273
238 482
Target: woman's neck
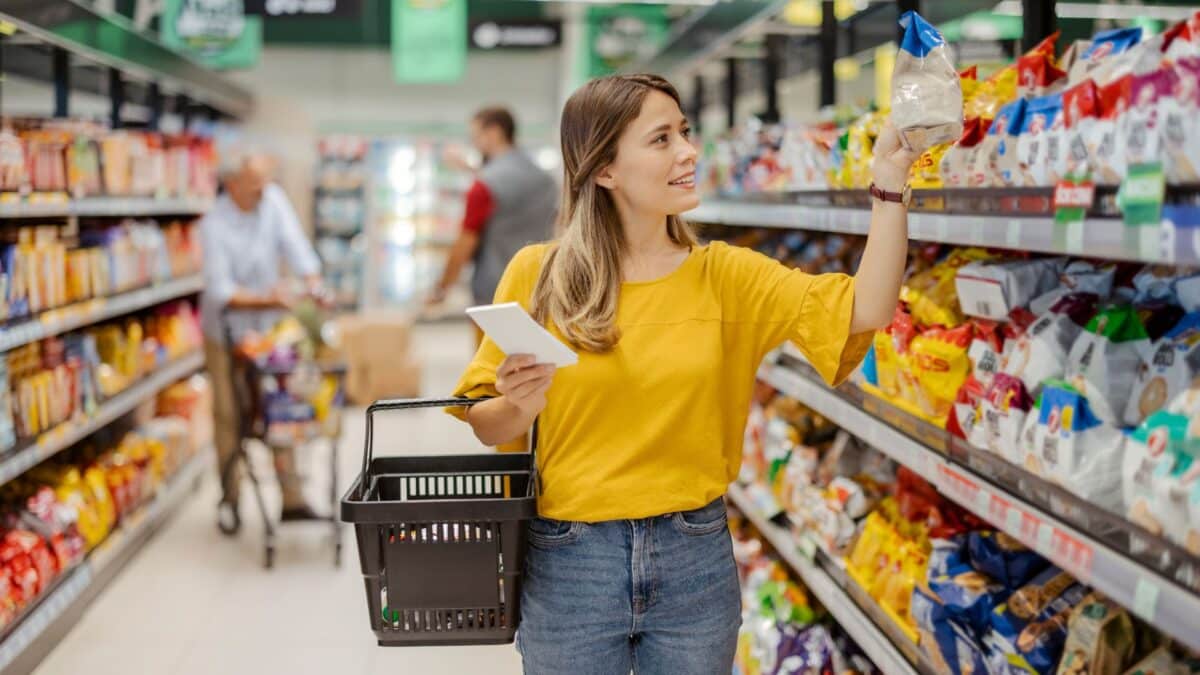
645 235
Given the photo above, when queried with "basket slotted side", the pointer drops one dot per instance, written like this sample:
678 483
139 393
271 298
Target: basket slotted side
441 543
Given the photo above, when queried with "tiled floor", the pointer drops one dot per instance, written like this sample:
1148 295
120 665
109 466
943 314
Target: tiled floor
193 602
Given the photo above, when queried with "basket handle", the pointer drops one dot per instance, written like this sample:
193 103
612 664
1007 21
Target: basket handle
414 403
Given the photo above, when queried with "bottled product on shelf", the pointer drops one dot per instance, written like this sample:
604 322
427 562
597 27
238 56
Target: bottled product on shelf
59 379
973 599
54 515
60 159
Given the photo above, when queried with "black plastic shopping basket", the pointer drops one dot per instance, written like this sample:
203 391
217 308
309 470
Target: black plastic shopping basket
441 539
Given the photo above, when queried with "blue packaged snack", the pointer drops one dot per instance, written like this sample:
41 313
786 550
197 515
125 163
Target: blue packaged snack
951 647
1002 143
946 554
1003 558
927 105
1109 42
1029 630
967 597
1040 146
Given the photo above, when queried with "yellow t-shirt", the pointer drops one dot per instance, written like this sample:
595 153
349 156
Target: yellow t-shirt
656 425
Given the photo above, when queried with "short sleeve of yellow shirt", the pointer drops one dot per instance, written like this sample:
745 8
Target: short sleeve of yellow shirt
656 424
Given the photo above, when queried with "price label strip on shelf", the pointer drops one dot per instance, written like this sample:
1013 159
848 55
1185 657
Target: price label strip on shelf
1072 199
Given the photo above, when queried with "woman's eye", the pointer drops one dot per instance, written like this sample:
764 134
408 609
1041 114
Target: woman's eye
687 133
661 139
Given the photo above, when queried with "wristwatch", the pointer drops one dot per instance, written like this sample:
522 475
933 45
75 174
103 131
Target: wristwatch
903 197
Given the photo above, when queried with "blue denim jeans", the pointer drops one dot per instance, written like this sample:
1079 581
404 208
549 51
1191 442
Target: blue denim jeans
656 596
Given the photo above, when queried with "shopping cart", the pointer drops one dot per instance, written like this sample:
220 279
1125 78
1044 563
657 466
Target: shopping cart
274 410
442 539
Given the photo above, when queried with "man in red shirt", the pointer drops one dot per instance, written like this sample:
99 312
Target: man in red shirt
510 204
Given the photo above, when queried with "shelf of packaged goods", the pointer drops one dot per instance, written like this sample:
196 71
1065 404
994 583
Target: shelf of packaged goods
29 639
832 594
1152 577
1101 237
62 319
32 452
104 206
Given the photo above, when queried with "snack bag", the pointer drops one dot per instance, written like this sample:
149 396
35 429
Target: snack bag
891 344
1078 277
1000 146
992 94
1142 131
926 172
1030 629
941 365
1002 416
992 289
1003 558
1100 638
967 598
1156 441
1036 70
927 99
1081 112
1033 151
1183 39
1181 127
1103 45
1106 151
1076 449
1104 361
956 162
1174 482
1040 353
1173 363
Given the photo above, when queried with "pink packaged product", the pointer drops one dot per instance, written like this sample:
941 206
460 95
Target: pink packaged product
1181 128
1142 128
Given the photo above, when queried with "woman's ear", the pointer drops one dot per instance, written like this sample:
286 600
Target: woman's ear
604 178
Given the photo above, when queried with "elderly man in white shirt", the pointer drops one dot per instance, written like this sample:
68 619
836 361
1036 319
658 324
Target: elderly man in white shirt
250 232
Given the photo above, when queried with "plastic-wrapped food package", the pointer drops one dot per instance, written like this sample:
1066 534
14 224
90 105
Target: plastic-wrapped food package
1041 163
956 162
1174 483
1078 277
1003 558
1183 39
1037 72
1103 45
927 99
999 149
1030 629
941 365
1155 442
1076 449
1172 366
1001 417
1106 152
1103 363
1081 112
1143 125
1101 638
1182 124
1040 353
992 289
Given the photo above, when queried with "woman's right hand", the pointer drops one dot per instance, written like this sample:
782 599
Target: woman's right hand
523 382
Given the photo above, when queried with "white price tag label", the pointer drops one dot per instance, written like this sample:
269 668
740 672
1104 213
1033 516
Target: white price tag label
983 502
1145 599
1075 236
1045 535
1150 242
1012 522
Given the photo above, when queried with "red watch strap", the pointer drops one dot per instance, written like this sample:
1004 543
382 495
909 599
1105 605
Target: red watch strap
883 195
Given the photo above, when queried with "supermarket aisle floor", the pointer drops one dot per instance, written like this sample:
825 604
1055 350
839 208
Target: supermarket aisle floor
195 603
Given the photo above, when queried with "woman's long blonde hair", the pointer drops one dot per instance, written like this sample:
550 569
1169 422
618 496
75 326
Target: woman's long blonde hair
580 279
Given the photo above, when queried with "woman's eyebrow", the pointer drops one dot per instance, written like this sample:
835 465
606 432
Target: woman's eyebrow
666 127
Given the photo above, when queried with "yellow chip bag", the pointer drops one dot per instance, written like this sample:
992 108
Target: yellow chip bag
940 364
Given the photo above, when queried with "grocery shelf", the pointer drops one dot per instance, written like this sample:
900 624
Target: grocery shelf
1103 237
832 593
111 40
62 319
43 626
97 207
1160 585
63 436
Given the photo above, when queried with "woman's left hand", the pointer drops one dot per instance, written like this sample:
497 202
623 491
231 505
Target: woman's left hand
892 163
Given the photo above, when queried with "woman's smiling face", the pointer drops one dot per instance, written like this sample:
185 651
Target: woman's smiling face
655 167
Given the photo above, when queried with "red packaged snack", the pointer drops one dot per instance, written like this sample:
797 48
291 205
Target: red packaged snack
1036 74
1106 149
1081 110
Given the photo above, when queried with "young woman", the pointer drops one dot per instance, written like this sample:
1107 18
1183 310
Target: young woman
630 565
